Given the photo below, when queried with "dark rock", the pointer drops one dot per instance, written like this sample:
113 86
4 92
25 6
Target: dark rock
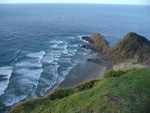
86 46
87 38
130 46
100 44
96 60
113 98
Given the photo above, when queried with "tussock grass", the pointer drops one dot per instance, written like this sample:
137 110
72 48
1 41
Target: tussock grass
120 92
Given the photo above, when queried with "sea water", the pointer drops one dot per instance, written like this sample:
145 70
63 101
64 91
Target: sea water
39 43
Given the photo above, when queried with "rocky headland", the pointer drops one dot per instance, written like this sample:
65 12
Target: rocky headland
132 51
125 90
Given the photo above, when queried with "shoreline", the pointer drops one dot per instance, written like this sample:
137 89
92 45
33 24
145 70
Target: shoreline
82 73
93 68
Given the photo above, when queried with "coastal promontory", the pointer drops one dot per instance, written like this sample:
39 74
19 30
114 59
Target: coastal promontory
123 89
131 51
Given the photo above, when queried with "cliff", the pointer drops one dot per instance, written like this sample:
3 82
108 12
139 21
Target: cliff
132 47
99 43
120 91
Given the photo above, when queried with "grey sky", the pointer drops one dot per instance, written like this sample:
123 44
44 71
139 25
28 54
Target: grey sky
146 2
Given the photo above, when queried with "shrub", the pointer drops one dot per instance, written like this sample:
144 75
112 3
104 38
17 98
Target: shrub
112 73
86 85
59 93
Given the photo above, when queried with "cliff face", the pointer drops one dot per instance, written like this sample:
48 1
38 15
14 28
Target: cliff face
97 96
99 43
101 95
132 46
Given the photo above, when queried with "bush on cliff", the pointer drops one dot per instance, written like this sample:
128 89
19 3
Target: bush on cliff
127 93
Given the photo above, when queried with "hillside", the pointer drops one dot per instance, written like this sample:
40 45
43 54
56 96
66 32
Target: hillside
132 46
118 92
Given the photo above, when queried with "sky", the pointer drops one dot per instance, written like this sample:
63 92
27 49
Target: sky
145 2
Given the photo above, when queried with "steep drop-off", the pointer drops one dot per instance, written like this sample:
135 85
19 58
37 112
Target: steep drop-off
131 46
118 92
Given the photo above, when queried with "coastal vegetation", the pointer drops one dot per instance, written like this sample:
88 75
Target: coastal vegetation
131 47
118 91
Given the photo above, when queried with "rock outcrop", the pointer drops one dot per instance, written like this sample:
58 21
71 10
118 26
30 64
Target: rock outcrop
99 43
132 46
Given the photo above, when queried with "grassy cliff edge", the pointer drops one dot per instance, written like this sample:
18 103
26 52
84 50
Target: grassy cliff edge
119 91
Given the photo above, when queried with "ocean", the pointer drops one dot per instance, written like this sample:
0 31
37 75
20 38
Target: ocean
39 43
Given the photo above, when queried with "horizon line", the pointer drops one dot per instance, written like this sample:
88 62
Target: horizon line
72 3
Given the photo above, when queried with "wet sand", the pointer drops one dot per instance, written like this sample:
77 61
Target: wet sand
82 73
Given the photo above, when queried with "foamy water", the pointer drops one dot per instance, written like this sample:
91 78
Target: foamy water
38 50
5 74
34 73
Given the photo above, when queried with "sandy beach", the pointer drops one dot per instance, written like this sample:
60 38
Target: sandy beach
82 73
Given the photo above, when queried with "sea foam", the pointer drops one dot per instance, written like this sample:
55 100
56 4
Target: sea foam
36 55
14 99
30 63
6 73
32 74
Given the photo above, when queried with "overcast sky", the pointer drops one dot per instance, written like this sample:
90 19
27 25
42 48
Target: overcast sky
146 2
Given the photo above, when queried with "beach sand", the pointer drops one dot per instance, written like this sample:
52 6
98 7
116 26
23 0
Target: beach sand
82 73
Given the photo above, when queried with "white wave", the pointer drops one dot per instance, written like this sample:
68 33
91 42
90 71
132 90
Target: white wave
30 78
70 37
54 46
36 55
33 74
57 46
72 48
65 72
56 41
75 45
30 63
54 63
65 50
49 87
53 70
60 79
56 55
36 62
47 84
72 51
83 35
71 67
47 60
46 81
66 59
84 54
71 54
6 71
84 40
12 99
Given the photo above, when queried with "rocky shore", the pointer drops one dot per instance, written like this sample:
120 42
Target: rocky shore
132 51
132 47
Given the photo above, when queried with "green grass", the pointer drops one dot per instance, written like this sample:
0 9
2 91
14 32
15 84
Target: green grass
129 92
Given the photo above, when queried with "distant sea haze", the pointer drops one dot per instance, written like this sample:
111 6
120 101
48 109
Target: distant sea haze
39 43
